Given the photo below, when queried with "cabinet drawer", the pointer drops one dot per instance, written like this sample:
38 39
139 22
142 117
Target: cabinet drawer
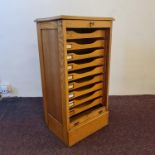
85 98
85 106
75 34
82 130
85 81
78 46
82 55
88 115
85 63
84 73
86 90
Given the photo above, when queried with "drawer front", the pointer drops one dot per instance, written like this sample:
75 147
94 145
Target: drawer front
88 63
85 106
85 73
85 82
85 129
78 46
87 24
86 98
83 91
82 55
78 120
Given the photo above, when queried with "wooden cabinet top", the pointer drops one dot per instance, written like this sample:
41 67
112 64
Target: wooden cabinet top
65 17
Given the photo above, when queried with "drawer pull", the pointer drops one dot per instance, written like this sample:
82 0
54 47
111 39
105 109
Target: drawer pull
71 86
71 95
69 46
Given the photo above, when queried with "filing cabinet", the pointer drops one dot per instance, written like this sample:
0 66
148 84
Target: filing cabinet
74 59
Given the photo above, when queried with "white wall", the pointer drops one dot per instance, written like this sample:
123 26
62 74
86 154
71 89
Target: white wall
133 48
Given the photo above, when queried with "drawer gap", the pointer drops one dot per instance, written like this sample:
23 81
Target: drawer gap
85 40
83 61
84 30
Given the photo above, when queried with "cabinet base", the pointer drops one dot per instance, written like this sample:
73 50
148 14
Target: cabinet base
79 132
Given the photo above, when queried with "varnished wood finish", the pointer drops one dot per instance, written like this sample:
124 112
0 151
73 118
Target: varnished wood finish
74 59
52 72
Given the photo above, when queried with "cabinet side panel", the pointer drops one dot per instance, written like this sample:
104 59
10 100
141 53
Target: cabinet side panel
107 64
52 72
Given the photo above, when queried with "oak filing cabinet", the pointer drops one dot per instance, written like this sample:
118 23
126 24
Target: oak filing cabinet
74 59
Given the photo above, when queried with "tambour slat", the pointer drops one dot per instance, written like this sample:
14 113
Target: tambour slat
77 93
85 81
85 98
71 34
74 76
95 62
77 46
95 53
85 106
